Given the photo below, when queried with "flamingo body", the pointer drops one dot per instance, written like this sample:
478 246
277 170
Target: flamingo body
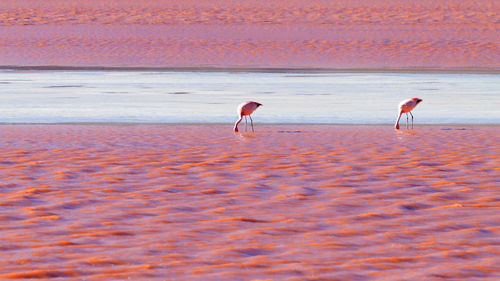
245 109
407 106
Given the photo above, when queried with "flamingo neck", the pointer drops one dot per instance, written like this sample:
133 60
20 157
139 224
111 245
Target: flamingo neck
396 126
236 124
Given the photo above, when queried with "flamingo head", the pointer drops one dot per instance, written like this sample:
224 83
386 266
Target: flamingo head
258 104
417 100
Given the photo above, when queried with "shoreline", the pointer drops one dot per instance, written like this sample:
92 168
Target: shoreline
231 124
409 70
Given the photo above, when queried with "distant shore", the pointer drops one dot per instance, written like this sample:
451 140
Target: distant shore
249 69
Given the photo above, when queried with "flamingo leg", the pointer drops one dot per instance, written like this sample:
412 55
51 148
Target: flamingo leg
406 120
411 120
251 122
246 123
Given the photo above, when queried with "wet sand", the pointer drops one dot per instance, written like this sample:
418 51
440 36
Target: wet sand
437 34
290 202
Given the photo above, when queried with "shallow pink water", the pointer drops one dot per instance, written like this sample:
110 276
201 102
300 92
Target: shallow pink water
298 33
195 202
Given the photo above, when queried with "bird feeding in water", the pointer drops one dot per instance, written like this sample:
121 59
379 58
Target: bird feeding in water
407 106
245 109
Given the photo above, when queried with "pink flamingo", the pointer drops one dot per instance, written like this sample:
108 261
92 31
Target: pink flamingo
245 109
407 106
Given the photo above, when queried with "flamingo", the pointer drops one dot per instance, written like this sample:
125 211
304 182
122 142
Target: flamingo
407 106
245 109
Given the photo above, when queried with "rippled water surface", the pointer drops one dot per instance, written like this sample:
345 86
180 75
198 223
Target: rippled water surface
193 202
201 97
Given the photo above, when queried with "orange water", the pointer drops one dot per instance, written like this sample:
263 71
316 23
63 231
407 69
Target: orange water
195 202
258 33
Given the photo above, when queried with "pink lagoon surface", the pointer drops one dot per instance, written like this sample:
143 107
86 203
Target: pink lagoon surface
144 201
270 33
290 202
